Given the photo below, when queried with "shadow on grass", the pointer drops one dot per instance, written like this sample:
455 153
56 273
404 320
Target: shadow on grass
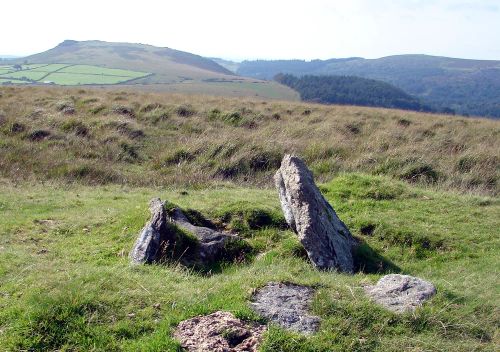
368 261
185 251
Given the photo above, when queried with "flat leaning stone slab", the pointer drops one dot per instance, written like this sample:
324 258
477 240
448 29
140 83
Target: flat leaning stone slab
400 293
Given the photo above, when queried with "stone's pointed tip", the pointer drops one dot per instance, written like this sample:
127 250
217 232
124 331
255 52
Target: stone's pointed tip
155 202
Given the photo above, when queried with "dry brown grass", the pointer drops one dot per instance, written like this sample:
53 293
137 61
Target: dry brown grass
161 139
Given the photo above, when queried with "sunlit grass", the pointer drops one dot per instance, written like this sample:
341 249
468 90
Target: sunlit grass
67 285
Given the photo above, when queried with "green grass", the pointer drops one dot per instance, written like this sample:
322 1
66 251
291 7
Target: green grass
65 281
256 88
10 68
13 81
236 88
26 75
47 67
73 79
34 66
94 70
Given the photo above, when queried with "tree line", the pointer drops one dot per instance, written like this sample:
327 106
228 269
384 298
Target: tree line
351 90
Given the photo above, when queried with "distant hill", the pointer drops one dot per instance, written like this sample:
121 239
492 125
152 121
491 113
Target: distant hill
350 90
171 70
466 86
265 69
169 65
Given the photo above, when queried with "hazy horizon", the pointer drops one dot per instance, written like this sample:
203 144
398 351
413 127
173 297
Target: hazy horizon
318 29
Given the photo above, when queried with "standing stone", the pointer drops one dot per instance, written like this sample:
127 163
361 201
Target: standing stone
324 236
400 293
147 246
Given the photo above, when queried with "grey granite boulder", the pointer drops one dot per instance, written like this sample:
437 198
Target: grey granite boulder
219 332
400 293
287 305
327 240
147 246
161 239
211 243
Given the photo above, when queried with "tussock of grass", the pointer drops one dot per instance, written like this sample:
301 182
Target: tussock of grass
188 140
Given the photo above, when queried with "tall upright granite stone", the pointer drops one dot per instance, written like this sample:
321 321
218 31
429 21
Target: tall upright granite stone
325 237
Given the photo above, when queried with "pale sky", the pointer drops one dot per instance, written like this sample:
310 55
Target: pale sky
263 29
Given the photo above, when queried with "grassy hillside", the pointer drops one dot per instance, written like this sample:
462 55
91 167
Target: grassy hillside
467 86
160 139
130 56
78 167
168 69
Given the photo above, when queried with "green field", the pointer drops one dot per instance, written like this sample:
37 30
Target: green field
74 79
67 74
26 75
10 68
4 70
49 68
34 66
11 81
144 67
93 70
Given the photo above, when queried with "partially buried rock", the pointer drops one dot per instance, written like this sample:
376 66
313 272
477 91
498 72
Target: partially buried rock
327 240
287 305
172 236
211 243
147 245
219 332
400 293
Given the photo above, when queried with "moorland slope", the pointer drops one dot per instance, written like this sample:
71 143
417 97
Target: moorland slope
153 139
